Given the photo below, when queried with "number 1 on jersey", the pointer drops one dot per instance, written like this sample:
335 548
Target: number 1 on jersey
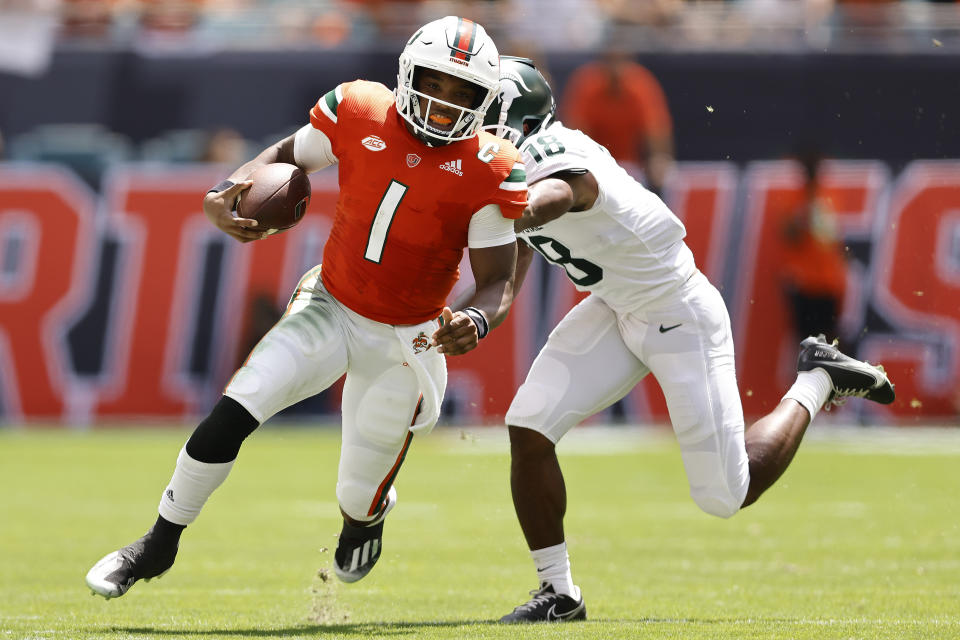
382 221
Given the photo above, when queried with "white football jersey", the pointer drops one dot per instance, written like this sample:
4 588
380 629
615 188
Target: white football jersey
628 249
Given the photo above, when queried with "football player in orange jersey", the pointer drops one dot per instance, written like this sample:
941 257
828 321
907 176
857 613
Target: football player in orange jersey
419 182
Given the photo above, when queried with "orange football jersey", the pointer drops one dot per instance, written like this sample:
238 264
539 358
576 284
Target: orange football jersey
404 208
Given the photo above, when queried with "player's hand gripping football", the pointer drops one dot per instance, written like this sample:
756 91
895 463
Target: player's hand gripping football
457 335
218 209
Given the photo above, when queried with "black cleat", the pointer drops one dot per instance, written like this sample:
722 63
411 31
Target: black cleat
144 559
358 548
547 606
849 377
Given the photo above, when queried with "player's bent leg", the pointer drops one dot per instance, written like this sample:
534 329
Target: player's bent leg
771 442
202 466
707 418
584 367
217 439
825 377
365 470
380 404
693 361
300 356
366 494
303 354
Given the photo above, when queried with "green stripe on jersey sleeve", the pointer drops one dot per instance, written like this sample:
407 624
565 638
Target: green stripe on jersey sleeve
332 101
516 175
517 180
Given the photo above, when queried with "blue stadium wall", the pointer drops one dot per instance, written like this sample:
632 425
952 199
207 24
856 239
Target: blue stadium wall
889 107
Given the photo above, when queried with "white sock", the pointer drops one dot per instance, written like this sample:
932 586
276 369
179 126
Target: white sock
553 566
811 390
192 483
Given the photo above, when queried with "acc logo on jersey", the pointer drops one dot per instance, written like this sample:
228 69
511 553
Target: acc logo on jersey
412 160
420 343
374 143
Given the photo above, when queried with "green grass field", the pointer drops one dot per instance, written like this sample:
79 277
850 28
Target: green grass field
860 539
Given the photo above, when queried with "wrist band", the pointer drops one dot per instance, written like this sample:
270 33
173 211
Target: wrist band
478 319
223 185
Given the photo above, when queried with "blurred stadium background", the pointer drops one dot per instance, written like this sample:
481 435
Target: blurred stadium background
118 301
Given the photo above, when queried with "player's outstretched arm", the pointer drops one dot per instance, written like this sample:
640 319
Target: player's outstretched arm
219 205
555 195
493 269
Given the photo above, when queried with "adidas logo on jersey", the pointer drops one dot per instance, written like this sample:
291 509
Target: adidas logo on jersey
453 166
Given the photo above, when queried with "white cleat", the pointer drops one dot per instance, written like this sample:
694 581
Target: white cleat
110 577
114 574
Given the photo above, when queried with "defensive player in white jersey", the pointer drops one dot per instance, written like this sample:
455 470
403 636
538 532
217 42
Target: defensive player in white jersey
649 311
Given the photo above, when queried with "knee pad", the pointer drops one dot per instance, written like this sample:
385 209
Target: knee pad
362 502
719 475
712 502
354 500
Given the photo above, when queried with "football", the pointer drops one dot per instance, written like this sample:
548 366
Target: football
278 197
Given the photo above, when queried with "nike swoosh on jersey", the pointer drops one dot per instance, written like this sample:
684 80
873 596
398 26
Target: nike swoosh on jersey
665 329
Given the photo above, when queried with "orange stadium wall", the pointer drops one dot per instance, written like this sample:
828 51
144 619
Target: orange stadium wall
129 305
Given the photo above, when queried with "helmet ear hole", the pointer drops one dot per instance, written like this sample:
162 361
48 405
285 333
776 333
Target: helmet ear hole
531 124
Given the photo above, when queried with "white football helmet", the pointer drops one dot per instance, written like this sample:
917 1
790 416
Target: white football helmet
461 48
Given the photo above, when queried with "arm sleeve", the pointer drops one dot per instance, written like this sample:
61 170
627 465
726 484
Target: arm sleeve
312 149
488 228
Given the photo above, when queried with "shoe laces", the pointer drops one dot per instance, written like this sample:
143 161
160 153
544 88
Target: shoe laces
840 396
851 393
540 596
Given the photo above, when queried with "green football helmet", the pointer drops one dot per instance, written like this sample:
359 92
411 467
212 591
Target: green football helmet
525 104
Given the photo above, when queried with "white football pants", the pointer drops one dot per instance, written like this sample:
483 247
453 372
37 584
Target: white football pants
388 371
595 356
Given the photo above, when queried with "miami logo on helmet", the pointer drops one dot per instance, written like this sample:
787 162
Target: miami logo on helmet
462 50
